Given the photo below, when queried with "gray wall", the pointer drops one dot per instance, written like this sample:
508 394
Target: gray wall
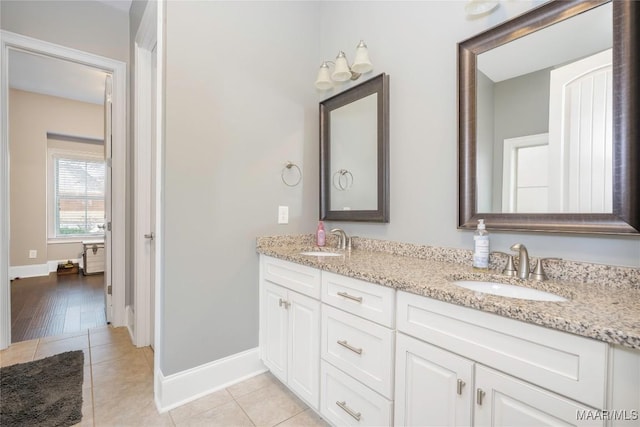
415 42
239 104
485 111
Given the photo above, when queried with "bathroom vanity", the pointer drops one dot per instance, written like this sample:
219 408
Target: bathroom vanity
380 336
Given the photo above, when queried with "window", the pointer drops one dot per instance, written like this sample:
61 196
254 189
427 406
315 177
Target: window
77 196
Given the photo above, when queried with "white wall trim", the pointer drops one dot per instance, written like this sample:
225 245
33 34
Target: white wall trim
177 389
118 70
38 270
24 271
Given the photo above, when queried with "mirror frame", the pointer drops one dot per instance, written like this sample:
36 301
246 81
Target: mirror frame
625 218
379 85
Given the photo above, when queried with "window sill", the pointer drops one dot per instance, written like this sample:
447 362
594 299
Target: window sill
74 239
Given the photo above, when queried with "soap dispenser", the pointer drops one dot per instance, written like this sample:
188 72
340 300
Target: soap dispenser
481 247
320 234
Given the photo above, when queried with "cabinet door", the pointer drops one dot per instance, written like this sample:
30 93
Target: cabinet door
304 347
433 387
274 350
507 401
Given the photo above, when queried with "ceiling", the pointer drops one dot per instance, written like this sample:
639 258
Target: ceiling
567 41
56 77
123 5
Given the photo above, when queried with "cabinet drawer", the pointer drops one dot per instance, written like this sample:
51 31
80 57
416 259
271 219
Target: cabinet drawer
300 278
346 402
364 299
360 348
568 364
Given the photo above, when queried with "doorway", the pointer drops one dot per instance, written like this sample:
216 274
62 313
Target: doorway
14 43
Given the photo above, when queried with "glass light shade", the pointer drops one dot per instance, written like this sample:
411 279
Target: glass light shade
341 72
362 63
323 81
478 7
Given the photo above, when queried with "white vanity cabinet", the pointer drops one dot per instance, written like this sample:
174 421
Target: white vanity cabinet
368 355
546 377
290 326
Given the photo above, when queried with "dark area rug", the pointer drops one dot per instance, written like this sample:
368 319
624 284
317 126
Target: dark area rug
46 392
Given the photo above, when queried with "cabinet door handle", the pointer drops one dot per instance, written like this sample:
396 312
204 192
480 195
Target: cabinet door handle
351 297
346 345
479 396
348 410
285 303
459 387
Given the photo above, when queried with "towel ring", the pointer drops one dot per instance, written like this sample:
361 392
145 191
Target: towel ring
289 166
342 179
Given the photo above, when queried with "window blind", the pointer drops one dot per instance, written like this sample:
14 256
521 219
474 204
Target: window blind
79 196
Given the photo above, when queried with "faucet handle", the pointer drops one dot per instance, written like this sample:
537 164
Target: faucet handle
538 272
510 267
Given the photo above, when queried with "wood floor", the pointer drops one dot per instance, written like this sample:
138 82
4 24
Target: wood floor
56 305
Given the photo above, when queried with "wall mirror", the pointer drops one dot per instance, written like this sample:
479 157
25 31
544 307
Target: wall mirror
548 128
354 153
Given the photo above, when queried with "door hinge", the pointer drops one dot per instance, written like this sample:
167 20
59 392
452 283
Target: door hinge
109 290
109 226
108 162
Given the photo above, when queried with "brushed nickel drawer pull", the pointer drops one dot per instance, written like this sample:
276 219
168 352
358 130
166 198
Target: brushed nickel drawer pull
460 385
351 297
348 410
346 345
479 396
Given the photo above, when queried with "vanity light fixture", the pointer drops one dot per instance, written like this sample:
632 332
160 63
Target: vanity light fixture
341 69
480 7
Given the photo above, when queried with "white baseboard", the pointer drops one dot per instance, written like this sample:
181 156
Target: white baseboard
183 387
36 270
24 271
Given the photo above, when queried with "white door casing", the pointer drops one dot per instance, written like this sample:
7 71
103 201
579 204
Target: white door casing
108 159
581 136
117 70
147 153
525 162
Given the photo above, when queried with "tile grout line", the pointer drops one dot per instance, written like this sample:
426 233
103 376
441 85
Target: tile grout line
93 400
240 406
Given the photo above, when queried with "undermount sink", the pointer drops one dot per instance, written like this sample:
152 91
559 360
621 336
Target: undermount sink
509 291
320 253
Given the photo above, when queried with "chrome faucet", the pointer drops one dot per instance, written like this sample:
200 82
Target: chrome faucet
344 241
523 261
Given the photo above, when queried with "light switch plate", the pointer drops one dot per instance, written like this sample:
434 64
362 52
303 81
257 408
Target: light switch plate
33 253
283 214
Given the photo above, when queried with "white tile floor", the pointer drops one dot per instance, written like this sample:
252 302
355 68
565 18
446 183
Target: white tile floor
118 387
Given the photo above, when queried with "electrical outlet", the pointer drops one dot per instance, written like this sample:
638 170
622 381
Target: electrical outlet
283 214
33 253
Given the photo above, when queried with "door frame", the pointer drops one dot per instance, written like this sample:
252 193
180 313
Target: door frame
118 71
146 39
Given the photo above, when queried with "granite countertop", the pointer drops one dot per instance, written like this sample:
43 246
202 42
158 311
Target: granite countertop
603 301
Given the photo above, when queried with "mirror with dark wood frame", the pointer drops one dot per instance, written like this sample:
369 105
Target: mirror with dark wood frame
493 202
354 153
